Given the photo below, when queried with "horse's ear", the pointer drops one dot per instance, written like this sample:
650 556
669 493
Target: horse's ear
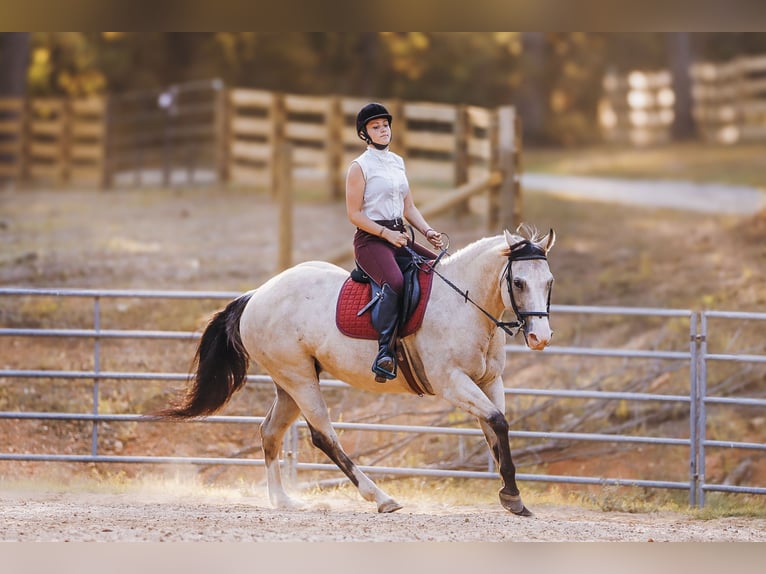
549 241
508 237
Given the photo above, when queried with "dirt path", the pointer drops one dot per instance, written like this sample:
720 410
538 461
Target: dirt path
57 516
685 195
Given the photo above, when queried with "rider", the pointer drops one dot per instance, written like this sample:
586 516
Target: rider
378 197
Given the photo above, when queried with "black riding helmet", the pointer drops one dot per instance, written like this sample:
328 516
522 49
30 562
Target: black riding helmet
370 112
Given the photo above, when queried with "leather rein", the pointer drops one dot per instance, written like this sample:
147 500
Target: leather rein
524 250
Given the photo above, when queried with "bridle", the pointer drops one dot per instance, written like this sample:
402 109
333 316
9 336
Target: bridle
524 250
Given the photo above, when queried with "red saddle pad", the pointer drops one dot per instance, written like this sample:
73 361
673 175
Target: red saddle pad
353 296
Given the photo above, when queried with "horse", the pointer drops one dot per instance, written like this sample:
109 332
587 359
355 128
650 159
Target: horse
287 326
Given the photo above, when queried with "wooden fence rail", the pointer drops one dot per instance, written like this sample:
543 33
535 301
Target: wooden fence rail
729 103
64 141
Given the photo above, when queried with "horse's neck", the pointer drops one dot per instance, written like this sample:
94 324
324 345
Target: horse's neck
476 269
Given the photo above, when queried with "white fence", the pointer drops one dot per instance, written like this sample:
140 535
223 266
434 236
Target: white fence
698 441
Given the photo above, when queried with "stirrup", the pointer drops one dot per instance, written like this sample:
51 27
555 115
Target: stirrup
382 374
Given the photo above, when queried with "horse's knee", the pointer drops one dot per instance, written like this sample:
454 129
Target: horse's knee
319 440
269 443
333 450
498 423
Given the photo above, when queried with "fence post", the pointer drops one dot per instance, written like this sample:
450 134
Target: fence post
701 410
517 171
693 409
462 134
107 167
285 198
66 140
221 128
335 147
509 192
96 371
278 115
399 141
493 195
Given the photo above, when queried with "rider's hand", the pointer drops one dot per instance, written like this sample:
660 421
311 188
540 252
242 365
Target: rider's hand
434 238
397 238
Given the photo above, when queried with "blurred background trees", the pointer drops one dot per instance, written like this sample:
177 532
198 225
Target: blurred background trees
553 78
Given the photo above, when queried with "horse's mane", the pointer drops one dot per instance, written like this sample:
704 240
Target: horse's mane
523 231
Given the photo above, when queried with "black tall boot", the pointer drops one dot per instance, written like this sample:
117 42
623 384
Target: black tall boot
385 319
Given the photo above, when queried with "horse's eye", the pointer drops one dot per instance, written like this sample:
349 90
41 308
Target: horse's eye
518 283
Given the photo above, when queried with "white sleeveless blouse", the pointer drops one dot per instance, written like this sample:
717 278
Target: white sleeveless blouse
386 184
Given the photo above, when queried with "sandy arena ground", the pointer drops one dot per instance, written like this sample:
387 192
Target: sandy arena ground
230 517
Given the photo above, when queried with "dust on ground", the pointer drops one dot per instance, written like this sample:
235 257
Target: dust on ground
166 517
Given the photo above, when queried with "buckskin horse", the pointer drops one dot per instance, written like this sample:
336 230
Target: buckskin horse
288 325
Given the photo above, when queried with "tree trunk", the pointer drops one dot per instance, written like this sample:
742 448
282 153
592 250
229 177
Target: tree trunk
679 58
369 72
533 97
14 61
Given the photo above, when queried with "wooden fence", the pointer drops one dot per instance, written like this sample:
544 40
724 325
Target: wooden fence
12 118
637 108
71 141
729 103
730 100
444 144
54 140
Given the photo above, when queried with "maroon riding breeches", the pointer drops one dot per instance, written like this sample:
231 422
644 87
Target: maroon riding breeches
377 257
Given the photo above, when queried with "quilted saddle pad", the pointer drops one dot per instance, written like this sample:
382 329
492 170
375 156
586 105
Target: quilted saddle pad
353 296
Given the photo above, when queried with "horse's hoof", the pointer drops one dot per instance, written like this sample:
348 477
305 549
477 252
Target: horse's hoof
514 504
524 512
389 506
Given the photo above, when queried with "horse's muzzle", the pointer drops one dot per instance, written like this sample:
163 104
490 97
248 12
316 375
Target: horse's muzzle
538 339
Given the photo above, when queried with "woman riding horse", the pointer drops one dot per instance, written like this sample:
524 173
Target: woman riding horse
378 199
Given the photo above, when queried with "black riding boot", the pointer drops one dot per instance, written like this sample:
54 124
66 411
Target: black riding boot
385 319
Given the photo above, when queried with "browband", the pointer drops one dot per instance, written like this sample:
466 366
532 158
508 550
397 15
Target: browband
525 250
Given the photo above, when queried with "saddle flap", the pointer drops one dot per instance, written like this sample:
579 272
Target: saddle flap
354 297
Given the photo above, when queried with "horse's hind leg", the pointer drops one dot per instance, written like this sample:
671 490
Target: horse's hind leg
281 415
323 436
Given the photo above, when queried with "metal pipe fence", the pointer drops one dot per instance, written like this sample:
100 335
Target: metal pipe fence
696 400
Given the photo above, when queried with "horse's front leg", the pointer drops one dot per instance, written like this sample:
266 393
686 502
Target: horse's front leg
487 406
497 440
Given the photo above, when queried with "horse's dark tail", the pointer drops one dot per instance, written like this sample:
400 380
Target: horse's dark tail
219 368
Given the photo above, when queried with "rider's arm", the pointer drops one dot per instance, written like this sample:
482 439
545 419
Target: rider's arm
413 215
